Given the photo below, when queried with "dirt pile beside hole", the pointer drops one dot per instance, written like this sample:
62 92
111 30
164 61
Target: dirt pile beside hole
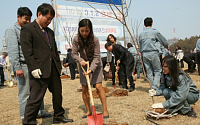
118 92
96 94
65 76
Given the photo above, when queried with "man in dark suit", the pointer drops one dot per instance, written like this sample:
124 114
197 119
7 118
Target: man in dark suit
40 52
71 63
126 60
188 58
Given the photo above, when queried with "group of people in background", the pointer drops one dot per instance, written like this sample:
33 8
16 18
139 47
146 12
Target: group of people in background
35 60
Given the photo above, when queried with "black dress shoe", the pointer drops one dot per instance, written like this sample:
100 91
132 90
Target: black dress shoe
45 115
132 88
105 117
85 116
62 120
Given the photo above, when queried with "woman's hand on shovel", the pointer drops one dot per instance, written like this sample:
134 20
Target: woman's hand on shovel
88 73
83 63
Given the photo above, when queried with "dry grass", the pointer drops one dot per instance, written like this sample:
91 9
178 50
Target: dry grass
127 109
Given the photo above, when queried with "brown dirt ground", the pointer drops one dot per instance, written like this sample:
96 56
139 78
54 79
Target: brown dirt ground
126 110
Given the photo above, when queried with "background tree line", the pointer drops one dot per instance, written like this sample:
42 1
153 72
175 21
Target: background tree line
186 44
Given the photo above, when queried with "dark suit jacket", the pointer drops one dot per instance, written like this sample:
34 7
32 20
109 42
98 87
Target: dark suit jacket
192 56
69 58
122 54
37 52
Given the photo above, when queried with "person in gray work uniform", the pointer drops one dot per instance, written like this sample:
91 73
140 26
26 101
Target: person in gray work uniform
150 52
177 87
17 60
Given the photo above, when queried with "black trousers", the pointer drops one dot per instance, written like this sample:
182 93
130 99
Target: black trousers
38 89
2 75
104 61
191 64
198 61
182 64
126 72
72 67
113 68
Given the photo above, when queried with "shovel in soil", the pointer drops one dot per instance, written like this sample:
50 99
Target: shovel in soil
94 119
116 72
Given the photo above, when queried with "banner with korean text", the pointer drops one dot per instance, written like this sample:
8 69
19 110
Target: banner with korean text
68 18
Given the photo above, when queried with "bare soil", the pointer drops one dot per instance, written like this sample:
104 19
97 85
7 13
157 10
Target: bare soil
123 110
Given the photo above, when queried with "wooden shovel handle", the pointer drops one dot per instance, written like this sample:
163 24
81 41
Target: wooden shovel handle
116 73
88 83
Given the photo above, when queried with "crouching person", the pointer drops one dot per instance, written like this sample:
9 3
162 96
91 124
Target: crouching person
177 88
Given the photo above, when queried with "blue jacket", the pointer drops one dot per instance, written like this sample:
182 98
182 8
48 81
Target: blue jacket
185 85
12 37
148 39
198 45
133 51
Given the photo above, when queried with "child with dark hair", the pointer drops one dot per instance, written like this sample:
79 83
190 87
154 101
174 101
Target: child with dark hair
177 88
86 44
133 51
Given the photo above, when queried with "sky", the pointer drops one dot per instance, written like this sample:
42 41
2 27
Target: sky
183 15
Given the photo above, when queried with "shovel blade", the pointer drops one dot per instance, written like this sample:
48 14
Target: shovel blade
96 119
115 85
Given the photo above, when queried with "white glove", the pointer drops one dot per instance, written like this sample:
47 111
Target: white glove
36 73
157 105
152 92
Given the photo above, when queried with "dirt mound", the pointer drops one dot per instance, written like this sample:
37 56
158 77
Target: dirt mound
65 76
96 94
116 92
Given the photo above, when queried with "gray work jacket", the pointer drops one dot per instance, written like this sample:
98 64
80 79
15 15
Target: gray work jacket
149 38
12 37
185 85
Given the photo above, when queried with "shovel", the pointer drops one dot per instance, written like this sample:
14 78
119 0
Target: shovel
94 119
116 76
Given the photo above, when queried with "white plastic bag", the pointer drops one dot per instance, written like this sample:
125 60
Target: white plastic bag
106 68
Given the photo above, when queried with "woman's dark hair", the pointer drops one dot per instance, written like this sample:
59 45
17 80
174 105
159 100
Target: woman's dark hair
173 67
111 36
22 11
148 21
45 8
129 45
89 43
